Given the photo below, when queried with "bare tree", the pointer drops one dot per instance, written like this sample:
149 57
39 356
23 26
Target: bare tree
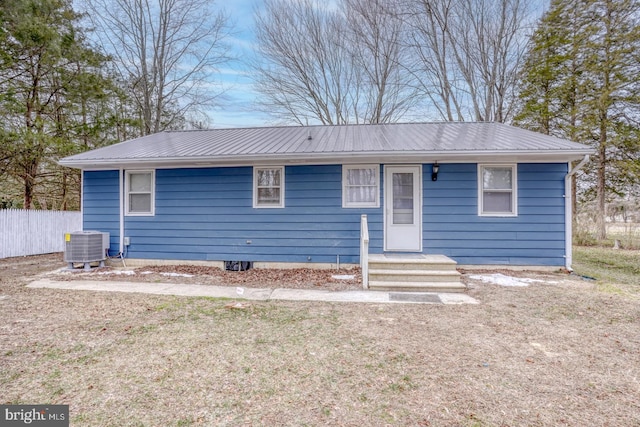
332 66
376 46
468 54
302 73
167 51
436 73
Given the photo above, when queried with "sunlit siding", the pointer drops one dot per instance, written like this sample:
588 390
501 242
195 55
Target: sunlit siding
207 214
535 237
100 198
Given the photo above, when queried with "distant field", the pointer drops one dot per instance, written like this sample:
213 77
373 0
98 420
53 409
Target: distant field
611 266
627 235
621 228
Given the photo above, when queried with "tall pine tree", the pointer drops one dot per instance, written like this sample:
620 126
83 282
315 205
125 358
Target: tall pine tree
612 101
48 78
579 82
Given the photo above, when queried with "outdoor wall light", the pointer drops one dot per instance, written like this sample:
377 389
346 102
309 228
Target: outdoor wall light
434 171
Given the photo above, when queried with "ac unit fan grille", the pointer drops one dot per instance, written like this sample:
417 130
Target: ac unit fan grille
84 247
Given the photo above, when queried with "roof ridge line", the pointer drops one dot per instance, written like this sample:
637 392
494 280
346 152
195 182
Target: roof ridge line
434 122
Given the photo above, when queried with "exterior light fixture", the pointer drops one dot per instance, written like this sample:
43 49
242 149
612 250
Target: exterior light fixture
434 171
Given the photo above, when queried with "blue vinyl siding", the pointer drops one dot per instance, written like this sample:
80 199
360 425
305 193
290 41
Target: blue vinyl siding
100 209
207 214
451 225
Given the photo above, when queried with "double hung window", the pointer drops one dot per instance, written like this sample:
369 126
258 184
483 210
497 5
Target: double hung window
360 186
497 190
140 193
268 187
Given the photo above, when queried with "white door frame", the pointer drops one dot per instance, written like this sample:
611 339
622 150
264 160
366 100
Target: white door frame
411 233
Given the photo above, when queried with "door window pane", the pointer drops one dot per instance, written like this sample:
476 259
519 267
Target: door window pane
403 198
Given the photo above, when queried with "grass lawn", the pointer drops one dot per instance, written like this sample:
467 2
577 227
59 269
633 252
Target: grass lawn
560 352
612 267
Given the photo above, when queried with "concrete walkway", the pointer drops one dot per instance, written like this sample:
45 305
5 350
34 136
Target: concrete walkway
258 294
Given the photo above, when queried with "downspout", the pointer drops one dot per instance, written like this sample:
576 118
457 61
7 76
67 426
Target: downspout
121 191
81 199
568 212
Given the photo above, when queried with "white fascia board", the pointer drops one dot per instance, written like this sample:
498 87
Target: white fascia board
559 156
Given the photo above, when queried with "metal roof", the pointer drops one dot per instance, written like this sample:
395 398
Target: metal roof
400 142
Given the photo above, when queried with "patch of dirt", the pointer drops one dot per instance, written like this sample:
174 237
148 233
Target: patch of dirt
28 266
561 354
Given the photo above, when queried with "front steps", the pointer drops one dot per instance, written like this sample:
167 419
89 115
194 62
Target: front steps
414 272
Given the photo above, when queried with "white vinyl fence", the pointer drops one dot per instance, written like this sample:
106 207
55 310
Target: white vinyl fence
30 232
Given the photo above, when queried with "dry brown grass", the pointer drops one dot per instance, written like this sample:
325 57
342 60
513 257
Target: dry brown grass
545 355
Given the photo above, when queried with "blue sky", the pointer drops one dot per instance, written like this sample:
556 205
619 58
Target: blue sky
237 107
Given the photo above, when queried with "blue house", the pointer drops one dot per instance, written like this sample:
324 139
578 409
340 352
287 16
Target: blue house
477 193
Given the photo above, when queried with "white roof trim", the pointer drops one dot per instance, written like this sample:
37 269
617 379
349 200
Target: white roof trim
333 158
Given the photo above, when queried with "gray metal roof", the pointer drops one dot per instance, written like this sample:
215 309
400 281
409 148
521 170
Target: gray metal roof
402 142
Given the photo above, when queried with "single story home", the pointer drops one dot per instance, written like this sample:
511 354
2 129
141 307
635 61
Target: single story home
478 193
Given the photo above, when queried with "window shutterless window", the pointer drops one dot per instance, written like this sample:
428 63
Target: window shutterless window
140 192
360 186
497 187
268 187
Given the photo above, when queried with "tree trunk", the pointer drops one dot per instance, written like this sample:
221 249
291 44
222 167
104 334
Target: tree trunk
601 226
64 191
29 185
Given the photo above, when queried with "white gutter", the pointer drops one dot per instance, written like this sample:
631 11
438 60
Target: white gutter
568 212
443 156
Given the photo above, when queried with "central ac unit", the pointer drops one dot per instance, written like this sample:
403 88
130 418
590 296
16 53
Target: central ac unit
86 247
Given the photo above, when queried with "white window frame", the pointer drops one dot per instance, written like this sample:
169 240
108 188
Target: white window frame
128 192
514 190
256 203
350 205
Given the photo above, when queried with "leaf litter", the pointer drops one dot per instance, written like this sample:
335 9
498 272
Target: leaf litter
295 278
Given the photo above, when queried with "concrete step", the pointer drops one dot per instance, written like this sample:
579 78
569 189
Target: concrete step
413 275
411 262
417 286
414 272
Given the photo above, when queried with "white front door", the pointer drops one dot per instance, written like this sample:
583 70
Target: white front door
403 208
